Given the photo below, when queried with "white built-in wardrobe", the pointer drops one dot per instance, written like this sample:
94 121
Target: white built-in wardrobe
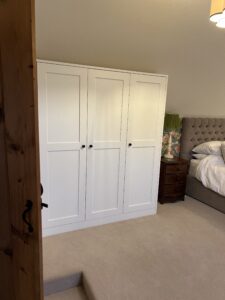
100 144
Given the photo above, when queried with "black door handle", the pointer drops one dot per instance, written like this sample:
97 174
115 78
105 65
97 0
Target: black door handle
42 203
42 190
130 144
83 146
90 146
29 206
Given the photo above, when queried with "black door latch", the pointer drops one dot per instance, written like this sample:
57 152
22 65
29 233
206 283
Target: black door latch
42 203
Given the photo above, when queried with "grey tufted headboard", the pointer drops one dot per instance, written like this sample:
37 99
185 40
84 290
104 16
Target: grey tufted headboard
196 131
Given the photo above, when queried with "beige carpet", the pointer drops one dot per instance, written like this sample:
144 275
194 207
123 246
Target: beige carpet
179 254
70 294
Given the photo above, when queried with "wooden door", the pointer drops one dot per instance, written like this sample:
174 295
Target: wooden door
20 246
62 93
144 140
107 121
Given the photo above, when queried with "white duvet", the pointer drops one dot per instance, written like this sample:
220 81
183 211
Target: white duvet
211 172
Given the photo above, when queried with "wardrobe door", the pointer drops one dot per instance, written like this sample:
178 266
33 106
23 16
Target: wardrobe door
144 140
62 120
107 121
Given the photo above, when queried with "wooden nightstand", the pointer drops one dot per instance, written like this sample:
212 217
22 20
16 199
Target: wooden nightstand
172 181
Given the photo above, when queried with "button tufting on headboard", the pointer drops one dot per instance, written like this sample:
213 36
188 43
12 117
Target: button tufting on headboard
198 130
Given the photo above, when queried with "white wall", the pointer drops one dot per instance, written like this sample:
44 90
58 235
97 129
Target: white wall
173 37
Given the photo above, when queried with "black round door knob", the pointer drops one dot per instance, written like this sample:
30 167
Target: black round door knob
83 146
90 146
130 144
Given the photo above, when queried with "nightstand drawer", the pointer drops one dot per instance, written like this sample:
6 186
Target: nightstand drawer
176 168
175 178
172 185
175 189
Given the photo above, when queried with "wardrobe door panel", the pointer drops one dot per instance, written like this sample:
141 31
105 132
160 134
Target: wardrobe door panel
108 110
63 186
107 125
143 111
106 180
62 103
144 139
62 92
141 161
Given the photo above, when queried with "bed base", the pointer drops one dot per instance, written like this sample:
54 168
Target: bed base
196 190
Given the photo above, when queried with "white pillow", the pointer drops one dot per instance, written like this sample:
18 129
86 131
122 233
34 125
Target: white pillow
209 148
223 150
199 156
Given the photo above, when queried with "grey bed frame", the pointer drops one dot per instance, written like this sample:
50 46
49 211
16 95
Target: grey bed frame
196 131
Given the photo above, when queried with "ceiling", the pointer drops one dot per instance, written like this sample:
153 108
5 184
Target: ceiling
173 37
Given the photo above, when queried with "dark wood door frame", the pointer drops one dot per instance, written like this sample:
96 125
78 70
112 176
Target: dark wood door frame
20 247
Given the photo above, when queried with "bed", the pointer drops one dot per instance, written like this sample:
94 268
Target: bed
196 131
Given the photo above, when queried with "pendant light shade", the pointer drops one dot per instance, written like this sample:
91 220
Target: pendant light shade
217 13
221 23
